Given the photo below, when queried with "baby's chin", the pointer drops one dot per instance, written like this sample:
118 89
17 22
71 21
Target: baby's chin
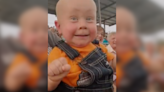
79 44
40 50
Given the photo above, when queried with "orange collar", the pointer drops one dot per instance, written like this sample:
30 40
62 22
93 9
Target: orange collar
125 57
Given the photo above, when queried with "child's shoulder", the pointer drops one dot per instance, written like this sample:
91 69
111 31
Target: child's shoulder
55 51
19 57
54 54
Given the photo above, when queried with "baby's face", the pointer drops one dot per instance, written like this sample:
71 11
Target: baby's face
126 29
77 22
35 32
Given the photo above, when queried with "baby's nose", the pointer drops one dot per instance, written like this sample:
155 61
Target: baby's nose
82 25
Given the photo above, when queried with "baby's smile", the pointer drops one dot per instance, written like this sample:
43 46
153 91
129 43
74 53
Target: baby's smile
81 36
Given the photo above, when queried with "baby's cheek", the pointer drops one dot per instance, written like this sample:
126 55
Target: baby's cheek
29 40
68 31
33 39
132 38
72 27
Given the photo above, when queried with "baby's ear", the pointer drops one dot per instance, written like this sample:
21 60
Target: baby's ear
57 26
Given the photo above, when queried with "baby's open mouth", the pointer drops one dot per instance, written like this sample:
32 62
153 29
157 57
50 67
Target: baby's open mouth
82 35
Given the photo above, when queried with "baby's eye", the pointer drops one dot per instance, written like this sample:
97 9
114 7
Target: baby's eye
89 19
74 19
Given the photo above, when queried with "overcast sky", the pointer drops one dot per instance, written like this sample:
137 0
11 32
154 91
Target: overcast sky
159 3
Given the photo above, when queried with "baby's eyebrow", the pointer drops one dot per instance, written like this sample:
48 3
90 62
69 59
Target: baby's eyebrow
76 10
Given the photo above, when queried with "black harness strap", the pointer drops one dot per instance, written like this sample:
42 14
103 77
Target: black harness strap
56 41
53 39
71 53
29 56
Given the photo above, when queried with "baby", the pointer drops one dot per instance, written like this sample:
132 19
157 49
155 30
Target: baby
34 37
90 70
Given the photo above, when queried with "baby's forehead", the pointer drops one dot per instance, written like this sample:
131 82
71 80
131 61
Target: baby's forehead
74 5
123 12
31 13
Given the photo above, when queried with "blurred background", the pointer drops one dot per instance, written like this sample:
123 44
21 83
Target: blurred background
10 45
149 15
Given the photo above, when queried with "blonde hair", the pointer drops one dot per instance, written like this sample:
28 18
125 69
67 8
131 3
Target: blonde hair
110 34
